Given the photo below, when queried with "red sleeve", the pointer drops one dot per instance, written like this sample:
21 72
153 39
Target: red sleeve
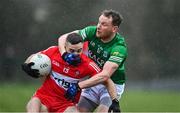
93 68
85 48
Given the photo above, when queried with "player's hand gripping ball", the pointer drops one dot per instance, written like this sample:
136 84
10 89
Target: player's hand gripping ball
39 65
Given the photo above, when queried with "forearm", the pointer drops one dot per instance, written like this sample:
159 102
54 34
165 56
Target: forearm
97 79
111 88
101 77
61 43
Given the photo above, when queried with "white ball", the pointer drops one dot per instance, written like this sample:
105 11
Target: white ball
41 62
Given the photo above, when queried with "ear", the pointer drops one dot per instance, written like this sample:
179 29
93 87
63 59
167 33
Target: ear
115 29
65 46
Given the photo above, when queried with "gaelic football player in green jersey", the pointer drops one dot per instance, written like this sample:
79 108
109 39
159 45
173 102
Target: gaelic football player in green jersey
108 49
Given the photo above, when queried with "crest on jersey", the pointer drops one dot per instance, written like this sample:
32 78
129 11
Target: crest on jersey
66 70
105 54
115 53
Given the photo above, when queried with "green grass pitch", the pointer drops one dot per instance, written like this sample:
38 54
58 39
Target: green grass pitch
13 98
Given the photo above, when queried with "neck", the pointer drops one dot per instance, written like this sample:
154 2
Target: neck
105 40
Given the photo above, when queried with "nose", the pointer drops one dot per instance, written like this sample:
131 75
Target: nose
98 25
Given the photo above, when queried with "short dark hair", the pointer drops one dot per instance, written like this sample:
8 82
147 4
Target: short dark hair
116 17
74 38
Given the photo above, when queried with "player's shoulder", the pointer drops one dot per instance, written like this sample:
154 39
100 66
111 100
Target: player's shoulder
90 28
119 37
89 64
51 50
85 58
120 40
53 47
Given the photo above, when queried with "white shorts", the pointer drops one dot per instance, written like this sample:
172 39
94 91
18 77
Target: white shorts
98 92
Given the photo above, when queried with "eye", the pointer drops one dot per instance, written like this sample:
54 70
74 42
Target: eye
79 50
104 24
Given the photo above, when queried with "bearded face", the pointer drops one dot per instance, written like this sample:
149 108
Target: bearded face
105 28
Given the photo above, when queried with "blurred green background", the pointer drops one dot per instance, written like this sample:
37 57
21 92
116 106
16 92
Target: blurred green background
151 29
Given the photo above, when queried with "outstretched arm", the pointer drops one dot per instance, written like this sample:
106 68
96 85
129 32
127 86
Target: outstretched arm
103 77
111 88
108 69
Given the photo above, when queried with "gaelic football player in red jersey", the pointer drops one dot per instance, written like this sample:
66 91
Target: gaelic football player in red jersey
50 97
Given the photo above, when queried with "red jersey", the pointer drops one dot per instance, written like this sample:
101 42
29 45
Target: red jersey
60 78
85 48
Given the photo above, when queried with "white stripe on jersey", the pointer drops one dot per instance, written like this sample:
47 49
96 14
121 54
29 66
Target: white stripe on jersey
94 66
63 80
115 58
83 34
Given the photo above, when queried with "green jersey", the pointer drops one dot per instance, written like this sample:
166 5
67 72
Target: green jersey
100 52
